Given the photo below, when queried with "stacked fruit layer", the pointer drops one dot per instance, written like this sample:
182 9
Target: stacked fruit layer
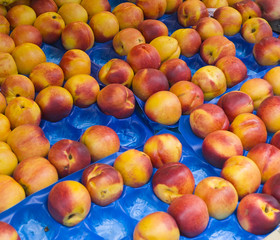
205 145
117 220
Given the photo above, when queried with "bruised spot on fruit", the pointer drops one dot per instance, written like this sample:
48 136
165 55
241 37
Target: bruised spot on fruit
103 193
71 215
70 157
54 17
253 30
266 209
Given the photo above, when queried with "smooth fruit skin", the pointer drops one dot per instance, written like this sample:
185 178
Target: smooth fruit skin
126 39
17 85
50 25
8 161
5 127
189 41
176 70
250 129
248 9
21 15
216 47
271 186
267 51
128 15
42 6
163 148
172 180
258 89
219 195
23 136
207 118
191 214
189 12
208 27
104 183
8 232
142 56
34 174
3 103
73 12
69 156
268 111
116 100
152 9
148 81
239 170
116 71
272 77
275 140
267 158
215 3
69 202
157 226
7 44
230 19
269 11
46 74
234 103
189 94
84 89
4 25
234 69
211 80
11 192
26 33
254 29
168 47
220 145
152 28
163 107
95 6
75 61
8 66
258 213
23 110
77 35
55 103
135 167
98 136
27 56
104 25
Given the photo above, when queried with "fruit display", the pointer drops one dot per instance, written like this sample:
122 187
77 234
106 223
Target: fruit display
139 119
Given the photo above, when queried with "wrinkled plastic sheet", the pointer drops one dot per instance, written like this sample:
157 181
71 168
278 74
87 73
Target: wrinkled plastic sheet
118 220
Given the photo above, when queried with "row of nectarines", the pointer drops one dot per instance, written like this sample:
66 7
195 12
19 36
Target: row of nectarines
165 48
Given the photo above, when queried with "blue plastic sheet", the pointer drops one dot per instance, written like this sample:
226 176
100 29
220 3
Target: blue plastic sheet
117 220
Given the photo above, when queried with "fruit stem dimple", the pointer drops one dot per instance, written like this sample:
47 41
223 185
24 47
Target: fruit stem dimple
266 209
71 215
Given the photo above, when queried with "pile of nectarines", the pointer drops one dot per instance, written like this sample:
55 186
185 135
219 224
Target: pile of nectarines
190 68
